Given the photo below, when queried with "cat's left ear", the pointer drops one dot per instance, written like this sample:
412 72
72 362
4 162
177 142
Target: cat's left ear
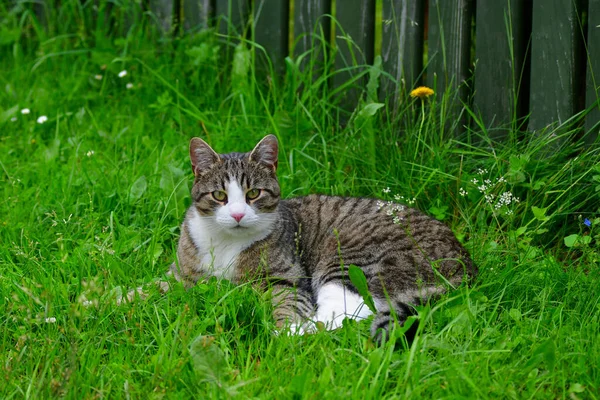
266 151
202 156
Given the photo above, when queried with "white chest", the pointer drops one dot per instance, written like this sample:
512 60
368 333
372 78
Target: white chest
218 251
220 259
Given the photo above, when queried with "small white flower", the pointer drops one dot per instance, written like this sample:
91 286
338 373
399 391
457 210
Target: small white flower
129 85
50 320
98 77
386 190
90 153
25 111
462 192
42 119
122 73
13 119
87 303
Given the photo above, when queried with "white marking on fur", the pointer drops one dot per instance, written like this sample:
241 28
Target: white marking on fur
236 204
306 327
336 303
220 238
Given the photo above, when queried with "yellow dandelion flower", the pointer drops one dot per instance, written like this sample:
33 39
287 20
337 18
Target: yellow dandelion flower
421 92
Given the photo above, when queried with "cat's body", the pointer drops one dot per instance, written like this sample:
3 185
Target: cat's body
238 229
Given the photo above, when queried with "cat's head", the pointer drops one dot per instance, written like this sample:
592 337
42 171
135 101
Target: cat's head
239 192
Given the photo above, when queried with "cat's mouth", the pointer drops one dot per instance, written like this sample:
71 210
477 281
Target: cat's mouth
239 228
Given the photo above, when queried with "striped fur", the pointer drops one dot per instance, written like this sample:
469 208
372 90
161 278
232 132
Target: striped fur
301 245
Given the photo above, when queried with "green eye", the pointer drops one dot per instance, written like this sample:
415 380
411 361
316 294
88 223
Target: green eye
219 195
253 194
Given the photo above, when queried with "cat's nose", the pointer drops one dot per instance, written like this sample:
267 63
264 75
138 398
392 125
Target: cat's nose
237 216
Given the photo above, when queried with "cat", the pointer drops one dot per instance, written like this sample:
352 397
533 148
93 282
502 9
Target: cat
238 228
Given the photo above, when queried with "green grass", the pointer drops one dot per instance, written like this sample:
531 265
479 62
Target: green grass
92 199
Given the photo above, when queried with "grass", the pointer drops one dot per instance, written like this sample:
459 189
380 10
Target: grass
91 202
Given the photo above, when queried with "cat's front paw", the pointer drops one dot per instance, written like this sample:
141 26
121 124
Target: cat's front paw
141 293
297 328
131 295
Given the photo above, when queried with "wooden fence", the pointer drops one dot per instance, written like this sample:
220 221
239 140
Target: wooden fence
508 59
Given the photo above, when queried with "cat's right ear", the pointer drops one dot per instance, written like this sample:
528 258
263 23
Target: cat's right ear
202 156
266 151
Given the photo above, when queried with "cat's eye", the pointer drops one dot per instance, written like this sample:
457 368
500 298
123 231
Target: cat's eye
219 195
252 194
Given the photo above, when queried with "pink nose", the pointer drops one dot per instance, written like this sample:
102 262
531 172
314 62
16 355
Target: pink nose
237 216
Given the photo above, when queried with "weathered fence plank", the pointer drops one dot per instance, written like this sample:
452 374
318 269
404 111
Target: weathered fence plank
312 31
555 62
309 20
196 14
271 22
502 38
355 39
232 16
402 46
449 48
163 11
592 121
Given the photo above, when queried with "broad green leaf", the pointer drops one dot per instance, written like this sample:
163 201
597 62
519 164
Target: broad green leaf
369 110
358 279
203 54
7 114
366 113
439 213
515 314
373 84
158 252
298 384
520 231
545 352
548 351
170 177
576 388
516 166
209 361
53 150
326 377
240 68
571 240
138 188
540 213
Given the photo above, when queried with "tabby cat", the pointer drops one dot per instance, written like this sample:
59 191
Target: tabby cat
239 228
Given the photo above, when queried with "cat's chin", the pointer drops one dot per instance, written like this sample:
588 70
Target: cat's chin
253 233
241 231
